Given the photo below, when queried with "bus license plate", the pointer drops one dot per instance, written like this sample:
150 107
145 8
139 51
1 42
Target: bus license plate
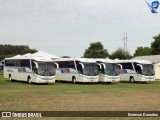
47 81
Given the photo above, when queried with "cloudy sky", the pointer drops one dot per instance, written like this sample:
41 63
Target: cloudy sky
67 27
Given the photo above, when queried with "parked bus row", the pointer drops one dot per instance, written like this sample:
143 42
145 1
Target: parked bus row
45 70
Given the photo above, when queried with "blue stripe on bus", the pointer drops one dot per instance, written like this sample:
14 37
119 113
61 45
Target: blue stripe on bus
62 71
65 70
68 70
125 71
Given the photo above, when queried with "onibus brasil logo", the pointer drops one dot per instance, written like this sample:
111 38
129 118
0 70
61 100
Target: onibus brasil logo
153 5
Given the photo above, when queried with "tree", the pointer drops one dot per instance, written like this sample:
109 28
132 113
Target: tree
141 51
12 50
65 57
155 46
96 50
120 54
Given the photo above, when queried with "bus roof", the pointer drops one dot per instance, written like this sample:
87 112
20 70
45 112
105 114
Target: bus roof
137 61
76 59
105 60
34 58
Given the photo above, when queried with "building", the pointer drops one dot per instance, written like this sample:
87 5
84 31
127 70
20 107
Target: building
155 59
38 54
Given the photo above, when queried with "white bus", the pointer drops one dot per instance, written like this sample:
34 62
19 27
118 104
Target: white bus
36 70
77 70
109 70
136 70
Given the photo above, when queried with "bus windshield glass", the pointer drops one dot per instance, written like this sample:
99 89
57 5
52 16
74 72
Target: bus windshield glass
46 68
112 69
148 70
90 69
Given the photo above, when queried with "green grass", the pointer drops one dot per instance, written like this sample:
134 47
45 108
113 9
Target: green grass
69 88
23 96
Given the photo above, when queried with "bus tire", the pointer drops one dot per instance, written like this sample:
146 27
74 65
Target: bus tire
10 78
29 80
132 80
74 80
108 82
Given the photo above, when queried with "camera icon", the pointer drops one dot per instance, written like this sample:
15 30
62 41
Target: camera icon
6 114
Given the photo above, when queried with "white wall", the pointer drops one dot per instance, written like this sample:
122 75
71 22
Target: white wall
157 70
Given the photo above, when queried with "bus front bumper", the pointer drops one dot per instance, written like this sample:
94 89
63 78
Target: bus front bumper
90 80
148 79
109 79
43 80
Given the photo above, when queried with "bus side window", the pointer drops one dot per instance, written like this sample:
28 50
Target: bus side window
79 68
25 63
138 69
71 65
127 66
102 70
99 68
34 69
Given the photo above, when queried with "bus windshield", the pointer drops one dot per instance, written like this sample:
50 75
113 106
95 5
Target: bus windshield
148 70
46 68
112 69
90 69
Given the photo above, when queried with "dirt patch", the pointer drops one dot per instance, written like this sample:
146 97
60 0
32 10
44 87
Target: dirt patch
86 102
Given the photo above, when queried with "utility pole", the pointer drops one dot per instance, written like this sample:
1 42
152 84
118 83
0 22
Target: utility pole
125 39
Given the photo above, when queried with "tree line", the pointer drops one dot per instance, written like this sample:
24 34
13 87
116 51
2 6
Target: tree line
12 50
96 50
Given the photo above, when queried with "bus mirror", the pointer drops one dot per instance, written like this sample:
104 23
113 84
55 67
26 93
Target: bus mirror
82 65
36 64
140 66
104 66
57 66
100 67
120 66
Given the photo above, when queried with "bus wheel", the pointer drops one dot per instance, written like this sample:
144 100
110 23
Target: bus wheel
132 80
108 82
10 78
74 80
29 80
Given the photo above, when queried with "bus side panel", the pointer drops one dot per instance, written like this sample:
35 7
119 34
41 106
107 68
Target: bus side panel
11 71
24 72
17 73
125 75
65 74
6 74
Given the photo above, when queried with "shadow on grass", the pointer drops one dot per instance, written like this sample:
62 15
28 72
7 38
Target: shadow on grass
137 82
86 83
26 83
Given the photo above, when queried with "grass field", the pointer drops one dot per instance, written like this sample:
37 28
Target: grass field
84 97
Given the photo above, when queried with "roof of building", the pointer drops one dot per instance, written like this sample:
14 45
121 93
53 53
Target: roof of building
151 58
44 54
37 55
